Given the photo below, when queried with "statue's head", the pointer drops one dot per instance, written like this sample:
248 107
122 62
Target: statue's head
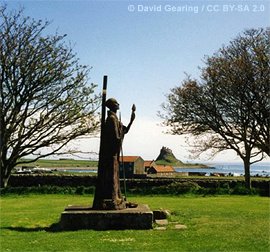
112 104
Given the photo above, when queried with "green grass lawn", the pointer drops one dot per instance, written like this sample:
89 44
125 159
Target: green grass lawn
223 223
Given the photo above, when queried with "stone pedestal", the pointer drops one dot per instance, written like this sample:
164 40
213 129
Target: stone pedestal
80 217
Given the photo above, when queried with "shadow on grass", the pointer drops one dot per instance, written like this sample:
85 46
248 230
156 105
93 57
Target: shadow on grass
55 227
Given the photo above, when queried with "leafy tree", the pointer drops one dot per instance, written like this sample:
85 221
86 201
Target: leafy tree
228 107
45 100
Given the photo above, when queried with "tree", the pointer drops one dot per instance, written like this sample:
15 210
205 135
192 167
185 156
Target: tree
228 107
45 98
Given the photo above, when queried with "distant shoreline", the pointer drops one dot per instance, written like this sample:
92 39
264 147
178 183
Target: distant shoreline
74 168
195 166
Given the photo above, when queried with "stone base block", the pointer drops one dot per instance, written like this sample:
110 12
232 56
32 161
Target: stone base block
79 217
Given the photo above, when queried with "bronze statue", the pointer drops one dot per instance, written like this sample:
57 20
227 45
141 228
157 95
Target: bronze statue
108 195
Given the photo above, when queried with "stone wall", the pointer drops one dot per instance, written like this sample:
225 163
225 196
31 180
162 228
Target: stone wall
143 183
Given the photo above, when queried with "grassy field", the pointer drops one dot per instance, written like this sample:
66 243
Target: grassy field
224 223
52 163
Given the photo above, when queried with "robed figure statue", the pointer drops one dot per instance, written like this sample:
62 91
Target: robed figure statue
108 195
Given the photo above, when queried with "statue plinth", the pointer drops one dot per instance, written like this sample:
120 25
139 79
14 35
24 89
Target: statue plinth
84 217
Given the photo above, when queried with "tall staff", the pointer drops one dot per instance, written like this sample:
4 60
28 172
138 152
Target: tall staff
103 107
103 118
99 184
133 109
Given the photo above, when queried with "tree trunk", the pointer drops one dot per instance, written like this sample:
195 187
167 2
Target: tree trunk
5 173
4 181
247 174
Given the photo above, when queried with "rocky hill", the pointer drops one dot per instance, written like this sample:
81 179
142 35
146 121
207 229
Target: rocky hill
166 157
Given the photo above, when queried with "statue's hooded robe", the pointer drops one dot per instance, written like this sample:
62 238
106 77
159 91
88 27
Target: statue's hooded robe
108 194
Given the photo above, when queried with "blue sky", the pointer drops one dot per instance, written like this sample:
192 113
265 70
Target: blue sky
145 47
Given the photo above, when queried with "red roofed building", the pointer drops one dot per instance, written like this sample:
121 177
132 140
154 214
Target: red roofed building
161 170
148 164
133 165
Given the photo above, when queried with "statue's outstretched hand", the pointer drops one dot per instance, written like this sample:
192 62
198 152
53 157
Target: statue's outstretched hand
131 118
133 113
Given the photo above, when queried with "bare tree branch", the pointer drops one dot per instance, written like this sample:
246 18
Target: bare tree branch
46 99
228 108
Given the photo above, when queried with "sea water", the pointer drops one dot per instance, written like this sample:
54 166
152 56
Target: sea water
237 169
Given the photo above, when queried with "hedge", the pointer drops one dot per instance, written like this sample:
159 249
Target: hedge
86 184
